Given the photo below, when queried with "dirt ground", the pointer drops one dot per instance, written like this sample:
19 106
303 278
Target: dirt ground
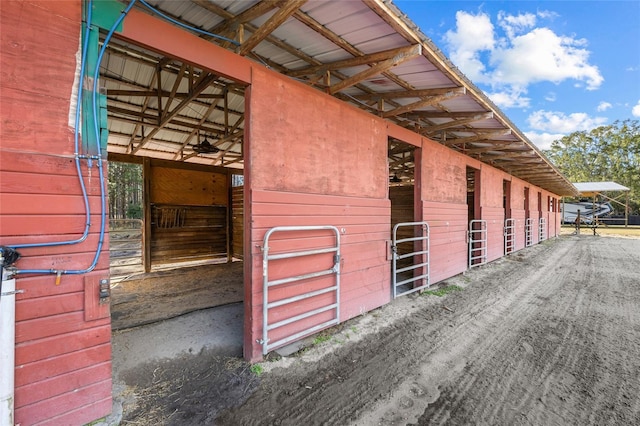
549 335
149 298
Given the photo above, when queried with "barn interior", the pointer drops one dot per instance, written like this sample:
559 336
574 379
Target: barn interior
183 127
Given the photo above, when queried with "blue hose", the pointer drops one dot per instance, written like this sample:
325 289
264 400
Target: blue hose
77 156
103 202
96 129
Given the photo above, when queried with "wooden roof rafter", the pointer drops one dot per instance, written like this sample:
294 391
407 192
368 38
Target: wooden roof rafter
284 12
202 83
479 137
457 122
426 101
402 95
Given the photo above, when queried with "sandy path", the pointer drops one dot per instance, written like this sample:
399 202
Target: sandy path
548 336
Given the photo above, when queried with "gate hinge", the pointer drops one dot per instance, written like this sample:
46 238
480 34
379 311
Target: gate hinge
9 293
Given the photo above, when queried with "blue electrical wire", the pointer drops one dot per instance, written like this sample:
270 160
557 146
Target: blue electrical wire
76 142
96 129
97 137
189 27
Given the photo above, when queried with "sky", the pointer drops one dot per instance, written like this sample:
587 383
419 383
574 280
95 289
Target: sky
552 67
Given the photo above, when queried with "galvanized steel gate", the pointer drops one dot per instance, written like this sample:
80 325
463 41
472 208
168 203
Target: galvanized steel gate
509 236
528 232
543 229
268 304
477 238
419 269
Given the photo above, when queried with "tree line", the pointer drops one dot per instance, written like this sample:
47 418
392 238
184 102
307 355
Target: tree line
606 153
125 191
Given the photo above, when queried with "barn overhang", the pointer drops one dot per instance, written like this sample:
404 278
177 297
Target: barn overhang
366 53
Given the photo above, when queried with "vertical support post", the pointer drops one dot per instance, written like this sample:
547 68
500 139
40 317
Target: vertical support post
626 211
229 218
146 228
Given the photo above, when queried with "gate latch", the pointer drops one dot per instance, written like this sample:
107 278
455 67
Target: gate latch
105 290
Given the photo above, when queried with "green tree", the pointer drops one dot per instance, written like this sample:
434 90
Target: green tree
125 191
606 153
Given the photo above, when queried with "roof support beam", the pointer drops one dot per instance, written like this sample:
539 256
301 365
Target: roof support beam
164 93
454 123
268 27
358 61
204 82
425 102
229 26
412 94
180 153
403 54
494 148
479 137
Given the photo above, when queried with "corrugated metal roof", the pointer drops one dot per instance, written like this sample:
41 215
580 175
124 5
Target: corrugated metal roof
347 38
599 186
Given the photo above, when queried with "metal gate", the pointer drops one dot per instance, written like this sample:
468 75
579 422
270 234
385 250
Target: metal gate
477 236
418 251
267 343
509 236
543 229
528 231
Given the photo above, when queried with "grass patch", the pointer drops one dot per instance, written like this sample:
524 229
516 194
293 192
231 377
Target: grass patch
442 291
257 369
321 339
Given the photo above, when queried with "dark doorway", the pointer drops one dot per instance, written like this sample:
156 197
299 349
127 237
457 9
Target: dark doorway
527 219
477 229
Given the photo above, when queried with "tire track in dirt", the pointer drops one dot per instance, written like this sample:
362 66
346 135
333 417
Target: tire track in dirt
372 368
565 373
531 340
485 325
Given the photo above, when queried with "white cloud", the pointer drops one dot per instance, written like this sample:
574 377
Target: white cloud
636 110
543 140
559 122
510 98
516 24
550 97
542 55
473 35
547 14
524 55
603 106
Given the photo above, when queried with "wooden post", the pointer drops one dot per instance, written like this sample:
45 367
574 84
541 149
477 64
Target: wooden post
626 212
578 223
229 217
146 228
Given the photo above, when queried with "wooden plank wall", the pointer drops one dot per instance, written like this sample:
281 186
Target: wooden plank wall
189 214
63 353
317 169
365 268
402 210
237 222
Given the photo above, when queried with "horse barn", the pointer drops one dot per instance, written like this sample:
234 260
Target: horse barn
325 149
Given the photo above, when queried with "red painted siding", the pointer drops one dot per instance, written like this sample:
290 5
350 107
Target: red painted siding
313 160
318 169
63 362
364 267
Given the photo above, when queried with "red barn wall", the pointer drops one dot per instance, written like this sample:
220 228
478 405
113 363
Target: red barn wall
317 161
63 352
310 160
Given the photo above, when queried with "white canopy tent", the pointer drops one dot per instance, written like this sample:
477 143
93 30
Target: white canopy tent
602 189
